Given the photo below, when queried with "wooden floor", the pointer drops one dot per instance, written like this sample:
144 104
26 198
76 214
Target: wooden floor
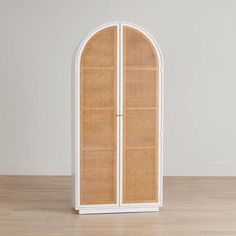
41 206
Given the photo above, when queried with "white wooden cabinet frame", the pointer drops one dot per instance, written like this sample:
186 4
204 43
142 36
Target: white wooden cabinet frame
119 206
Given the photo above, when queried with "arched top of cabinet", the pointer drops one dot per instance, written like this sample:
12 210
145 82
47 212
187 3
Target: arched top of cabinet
138 50
104 37
99 50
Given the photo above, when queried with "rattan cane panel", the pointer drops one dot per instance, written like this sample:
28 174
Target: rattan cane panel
139 50
141 87
140 128
140 175
98 119
140 118
99 51
98 177
98 85
98 129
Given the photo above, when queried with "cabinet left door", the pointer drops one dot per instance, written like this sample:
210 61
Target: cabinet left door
98 120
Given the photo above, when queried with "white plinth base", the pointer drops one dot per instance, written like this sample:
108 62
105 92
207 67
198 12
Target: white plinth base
117 210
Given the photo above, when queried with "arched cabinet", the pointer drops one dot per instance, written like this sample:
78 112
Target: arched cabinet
117 121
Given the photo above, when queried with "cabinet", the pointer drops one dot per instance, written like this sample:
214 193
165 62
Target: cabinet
117 121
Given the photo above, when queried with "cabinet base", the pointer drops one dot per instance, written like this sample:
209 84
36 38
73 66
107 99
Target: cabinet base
85 211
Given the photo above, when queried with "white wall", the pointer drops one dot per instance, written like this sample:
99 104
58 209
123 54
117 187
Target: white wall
197 38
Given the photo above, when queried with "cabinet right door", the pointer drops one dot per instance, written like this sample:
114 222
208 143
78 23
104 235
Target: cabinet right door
140 118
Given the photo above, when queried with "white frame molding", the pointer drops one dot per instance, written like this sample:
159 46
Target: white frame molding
119 206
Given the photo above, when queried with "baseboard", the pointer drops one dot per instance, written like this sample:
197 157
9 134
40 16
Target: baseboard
35 168
64 168
200 169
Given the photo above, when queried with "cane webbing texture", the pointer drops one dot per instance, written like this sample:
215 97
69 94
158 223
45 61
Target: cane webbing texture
139 50
98 85
140 176
96 169
140 128
141 86
140 118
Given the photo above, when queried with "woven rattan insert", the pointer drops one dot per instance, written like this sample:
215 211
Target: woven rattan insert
140 118
98 119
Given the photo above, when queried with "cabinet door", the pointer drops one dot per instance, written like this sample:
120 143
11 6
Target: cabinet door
140 118
98 99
